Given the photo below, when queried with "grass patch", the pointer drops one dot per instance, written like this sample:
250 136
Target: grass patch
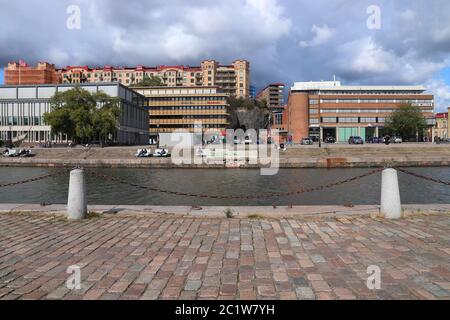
229 213
255 217
93 215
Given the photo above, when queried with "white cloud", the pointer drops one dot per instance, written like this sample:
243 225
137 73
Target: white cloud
365 56
322 35
441 92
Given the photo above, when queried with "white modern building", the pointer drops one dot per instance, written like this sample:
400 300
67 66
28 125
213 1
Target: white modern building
22 109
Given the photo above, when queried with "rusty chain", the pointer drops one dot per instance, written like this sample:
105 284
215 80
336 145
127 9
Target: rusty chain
260 196
11 184
231 197
417 175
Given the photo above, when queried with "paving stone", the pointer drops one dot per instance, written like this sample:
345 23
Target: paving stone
215 258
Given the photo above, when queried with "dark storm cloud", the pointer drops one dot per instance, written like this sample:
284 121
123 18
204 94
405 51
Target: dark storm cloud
291 40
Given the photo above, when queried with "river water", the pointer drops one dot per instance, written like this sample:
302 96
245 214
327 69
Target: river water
223 182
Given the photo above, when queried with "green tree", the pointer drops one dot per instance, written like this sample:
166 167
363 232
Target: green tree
406 121
246 103
83 116
149 82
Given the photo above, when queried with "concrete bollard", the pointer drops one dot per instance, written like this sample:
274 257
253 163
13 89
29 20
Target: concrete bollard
391 207
76 202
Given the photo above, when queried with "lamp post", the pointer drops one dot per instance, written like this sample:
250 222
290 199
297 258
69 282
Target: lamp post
157 132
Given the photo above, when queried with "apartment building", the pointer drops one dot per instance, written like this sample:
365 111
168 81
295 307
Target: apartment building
273 94
18 73
233 79
441 129
173 108
327 108
22 109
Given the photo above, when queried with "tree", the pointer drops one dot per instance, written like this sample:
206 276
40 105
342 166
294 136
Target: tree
83 116
406 121
149 82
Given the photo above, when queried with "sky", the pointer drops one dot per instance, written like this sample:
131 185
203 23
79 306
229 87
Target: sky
394 42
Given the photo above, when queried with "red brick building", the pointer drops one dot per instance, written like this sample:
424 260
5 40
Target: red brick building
18 73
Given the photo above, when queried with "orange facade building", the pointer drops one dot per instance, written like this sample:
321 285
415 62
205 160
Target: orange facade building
19 73
327 108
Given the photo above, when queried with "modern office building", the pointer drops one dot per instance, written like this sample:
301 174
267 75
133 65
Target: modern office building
441 128
22 109
328 108
233 79
173 108
18 73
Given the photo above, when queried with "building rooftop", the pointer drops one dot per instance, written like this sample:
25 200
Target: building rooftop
336 86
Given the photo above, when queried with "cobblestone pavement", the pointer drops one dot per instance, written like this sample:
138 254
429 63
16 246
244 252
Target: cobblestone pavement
144 257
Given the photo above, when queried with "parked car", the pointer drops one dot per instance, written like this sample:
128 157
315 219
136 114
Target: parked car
143 153
306 142
355 140
161 153
374 140
330 139
397 140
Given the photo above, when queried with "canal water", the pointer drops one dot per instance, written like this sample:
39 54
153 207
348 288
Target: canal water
223 182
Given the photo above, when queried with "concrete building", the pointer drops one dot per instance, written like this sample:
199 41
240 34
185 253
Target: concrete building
233 79
441 127
181 108
330 109
22 109
273 94
17 73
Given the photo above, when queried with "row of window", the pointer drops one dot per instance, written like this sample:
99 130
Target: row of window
181 126
189 108
208 116
316 111
315 101
364 92
21 121
348 120
213 98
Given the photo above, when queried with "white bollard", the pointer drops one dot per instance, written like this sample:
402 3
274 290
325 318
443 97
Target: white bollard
77 203
391 207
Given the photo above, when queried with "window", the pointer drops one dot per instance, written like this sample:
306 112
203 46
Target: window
313 111
381 120
313 121
368 120
313 101
348 120
329 119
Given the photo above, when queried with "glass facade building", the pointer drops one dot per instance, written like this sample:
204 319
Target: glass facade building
22 109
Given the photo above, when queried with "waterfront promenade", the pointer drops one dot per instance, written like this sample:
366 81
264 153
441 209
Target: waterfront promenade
143 255
329 156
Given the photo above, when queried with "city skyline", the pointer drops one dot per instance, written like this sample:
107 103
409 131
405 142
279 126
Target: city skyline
285 41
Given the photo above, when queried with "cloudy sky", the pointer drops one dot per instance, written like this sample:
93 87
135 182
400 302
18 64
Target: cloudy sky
285 40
